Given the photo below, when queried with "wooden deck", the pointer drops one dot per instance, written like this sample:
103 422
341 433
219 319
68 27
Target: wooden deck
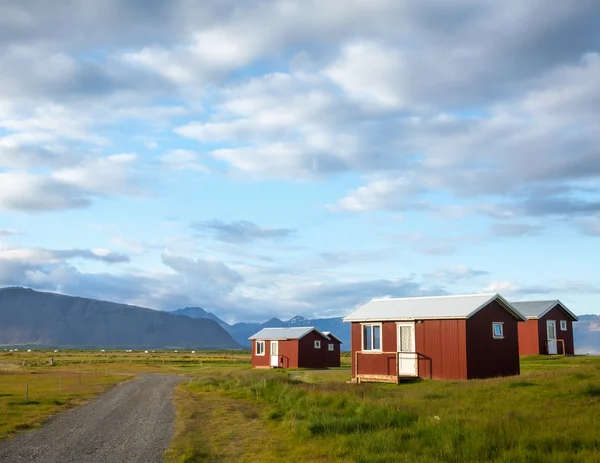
393 379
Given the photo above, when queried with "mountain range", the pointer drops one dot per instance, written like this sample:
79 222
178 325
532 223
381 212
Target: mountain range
35 318
242 331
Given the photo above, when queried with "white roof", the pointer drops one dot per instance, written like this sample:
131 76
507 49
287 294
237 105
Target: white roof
537 309
284 333
427 308
330 335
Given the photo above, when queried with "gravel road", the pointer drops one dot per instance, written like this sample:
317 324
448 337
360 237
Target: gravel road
132 422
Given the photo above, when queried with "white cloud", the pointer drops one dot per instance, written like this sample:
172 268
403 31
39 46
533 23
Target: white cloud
183 160
69 187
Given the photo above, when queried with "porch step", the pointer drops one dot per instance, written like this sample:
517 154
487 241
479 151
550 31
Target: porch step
377 379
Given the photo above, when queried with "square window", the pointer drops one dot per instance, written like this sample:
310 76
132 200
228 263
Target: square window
317 344
260 348
563 325
498 330
331 347
372 337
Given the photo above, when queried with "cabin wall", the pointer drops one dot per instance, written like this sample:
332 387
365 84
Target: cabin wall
529 339
441 345
375 363
557 315
333 357
288 354
489 357
309 356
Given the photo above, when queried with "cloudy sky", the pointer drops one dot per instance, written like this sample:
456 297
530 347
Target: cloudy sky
273 158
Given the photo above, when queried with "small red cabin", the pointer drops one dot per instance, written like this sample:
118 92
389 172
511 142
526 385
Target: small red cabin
548 330
444 337
304 347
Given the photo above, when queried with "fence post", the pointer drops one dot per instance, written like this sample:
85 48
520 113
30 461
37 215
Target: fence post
59 381
26 392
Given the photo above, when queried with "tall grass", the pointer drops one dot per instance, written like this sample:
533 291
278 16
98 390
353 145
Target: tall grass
545 415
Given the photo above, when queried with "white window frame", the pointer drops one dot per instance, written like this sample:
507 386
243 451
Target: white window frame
317 344
501 325
362 337
330 347
261 343
563 325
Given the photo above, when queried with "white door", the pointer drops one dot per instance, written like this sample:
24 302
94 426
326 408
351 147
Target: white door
274 353
407 358
552 344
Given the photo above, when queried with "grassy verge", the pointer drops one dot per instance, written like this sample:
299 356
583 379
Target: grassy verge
549 413
49 390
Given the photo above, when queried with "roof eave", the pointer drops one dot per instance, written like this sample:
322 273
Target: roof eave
507 305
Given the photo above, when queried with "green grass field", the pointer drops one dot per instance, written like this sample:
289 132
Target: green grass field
548 414
230 413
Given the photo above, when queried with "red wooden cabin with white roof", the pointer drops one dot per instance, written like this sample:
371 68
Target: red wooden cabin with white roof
443 337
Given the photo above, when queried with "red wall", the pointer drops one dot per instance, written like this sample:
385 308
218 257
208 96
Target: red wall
529 340
333 357
557 315
442 349
288 350
375 363
309 356
488 357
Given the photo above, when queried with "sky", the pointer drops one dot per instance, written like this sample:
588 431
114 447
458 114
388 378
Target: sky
286 157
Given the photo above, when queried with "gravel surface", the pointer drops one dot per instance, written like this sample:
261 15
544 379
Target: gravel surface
133 422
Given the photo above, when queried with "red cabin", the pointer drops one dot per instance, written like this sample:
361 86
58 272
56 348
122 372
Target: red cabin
304 347
444 337
548 330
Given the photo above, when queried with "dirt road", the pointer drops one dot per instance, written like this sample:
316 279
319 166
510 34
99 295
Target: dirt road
131 423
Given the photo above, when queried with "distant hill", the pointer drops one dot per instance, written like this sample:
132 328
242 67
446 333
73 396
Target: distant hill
29 317
587 334
242 331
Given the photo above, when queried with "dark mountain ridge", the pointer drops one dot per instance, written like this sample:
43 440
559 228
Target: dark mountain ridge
29 317
243 330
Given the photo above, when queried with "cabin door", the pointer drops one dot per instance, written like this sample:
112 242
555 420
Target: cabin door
552 344
274 353
407 357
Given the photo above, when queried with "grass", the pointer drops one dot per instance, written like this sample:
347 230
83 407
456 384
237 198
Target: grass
546 414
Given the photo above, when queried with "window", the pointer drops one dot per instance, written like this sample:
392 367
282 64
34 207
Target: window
563 325
498 330
260 348
330 346
317 344
372 337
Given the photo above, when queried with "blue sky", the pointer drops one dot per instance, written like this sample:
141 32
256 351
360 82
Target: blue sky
274 158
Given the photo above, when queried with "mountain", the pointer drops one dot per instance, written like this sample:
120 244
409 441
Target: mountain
198 312
29 317
587 334
242 331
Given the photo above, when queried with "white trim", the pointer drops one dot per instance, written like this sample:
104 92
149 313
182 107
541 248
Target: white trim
554 349
501 325
330 347
407 358
317 344
564 323
362 338
262 354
